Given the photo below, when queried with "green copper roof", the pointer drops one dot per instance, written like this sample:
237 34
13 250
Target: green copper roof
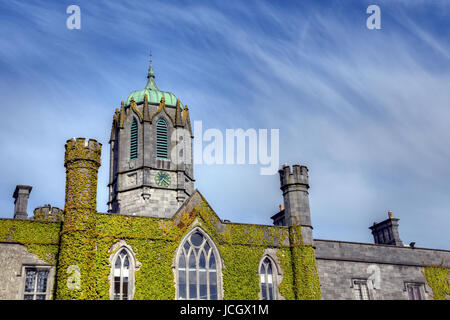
153 97
152 91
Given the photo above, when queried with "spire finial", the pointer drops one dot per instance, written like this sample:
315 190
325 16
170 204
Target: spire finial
151 85
151 73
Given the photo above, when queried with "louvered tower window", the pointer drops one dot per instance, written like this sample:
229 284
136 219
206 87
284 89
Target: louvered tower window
134 140
162 139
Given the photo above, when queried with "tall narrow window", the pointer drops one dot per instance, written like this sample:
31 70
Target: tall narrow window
122 276
134 140
197 269
414 291
162 139
361 291
266 279
35 284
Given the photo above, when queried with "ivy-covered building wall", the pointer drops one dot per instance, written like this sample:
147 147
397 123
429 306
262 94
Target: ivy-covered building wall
81 246
77 247
155 242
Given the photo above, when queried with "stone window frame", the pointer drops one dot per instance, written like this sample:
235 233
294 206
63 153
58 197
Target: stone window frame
370 292
277 274
134 266
50 278
422 289
218 258
277 271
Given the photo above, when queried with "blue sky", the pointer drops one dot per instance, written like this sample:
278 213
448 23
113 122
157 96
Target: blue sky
366 110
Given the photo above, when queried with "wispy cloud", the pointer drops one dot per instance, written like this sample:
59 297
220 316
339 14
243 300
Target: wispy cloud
367 111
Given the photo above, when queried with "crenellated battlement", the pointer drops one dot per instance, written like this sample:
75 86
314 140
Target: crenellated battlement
80 149
48 213
298 175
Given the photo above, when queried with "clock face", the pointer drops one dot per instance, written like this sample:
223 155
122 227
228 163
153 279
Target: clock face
163 179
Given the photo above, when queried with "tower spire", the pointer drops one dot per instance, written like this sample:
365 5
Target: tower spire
151 85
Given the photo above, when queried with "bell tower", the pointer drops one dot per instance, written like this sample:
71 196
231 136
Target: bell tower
151 161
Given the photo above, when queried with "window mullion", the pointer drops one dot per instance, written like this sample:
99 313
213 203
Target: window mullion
35 285
187 271
121 279
208 291
197 272
265 281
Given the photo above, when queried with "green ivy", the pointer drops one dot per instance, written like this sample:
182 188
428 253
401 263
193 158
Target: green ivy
286 287
306 279
87 238
437 278
40 238
78 244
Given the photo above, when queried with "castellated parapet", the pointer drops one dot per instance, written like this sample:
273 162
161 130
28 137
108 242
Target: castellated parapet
298 175
79 149
48 213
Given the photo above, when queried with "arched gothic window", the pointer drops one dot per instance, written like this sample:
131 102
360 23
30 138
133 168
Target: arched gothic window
162 139
122 275
267 276
134 139
197 268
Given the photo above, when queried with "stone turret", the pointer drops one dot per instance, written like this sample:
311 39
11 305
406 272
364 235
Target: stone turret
295 185
82 160
76 276
295 214
21 195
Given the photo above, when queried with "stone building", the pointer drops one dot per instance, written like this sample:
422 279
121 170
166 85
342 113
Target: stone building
160 239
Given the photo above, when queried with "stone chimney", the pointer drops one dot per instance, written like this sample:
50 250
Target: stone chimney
386 232
278 218
20 195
